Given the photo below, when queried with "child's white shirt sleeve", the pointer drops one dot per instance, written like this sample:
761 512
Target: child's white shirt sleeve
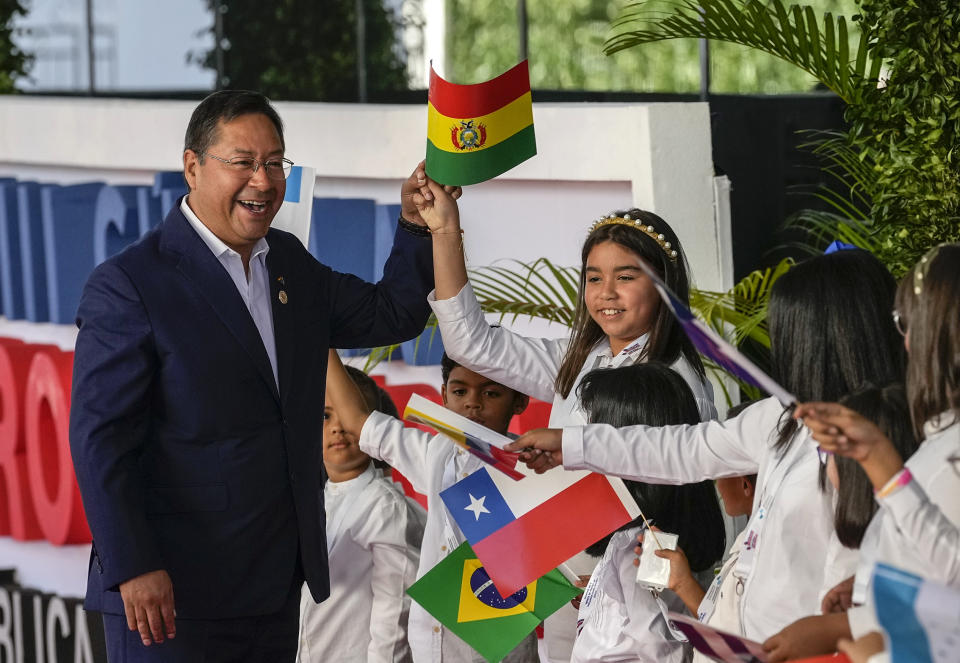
528 365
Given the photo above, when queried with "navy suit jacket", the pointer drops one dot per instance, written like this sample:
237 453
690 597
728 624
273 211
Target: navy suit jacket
188 457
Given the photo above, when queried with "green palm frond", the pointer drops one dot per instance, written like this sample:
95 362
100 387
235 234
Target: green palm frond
741 312
790 32
849 191
539 289
820 228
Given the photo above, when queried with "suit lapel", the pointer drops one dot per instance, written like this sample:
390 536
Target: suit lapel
198 264
283 318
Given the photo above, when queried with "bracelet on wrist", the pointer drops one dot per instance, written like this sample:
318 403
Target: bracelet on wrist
413 228
897 481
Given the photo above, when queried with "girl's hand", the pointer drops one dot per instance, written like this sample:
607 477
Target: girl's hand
416 195
807 637
581 582
840 430
838 599
541 448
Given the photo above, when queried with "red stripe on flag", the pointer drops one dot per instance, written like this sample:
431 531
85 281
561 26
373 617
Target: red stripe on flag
551 533
468 101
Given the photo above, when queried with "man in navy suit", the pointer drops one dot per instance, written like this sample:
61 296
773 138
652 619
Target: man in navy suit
197 400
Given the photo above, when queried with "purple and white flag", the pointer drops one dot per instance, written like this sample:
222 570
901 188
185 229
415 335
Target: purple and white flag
718 645
715 347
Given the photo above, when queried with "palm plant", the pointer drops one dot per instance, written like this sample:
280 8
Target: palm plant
792 33
899 155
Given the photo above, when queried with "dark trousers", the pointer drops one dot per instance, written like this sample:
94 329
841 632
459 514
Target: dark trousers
265 638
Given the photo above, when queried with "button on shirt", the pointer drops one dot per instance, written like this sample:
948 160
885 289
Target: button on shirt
254 289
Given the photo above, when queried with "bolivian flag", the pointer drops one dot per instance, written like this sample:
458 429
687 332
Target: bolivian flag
476 132
461 596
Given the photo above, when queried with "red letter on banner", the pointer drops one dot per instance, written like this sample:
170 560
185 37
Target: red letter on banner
19 519
53 483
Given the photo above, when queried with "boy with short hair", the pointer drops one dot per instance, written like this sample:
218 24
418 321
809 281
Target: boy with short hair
432 463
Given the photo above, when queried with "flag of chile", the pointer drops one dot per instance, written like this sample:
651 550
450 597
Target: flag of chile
521 530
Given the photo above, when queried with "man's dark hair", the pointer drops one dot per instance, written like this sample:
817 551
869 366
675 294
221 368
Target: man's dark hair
225 105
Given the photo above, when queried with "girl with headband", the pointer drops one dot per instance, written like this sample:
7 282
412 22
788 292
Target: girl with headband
619 321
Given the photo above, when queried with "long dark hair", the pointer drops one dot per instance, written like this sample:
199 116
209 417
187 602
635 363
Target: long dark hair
666 341
831 330
932 320
887 408
655 395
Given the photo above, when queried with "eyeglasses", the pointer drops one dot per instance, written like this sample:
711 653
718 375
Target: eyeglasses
276 169
899 323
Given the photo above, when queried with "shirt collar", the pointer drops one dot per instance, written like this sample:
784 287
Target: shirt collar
632 351
359 481
214 243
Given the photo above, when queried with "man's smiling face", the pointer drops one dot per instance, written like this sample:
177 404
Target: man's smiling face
237 208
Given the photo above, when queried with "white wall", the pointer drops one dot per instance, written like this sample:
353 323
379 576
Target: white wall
592 158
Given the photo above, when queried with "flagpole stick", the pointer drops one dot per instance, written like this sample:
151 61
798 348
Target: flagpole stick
650 529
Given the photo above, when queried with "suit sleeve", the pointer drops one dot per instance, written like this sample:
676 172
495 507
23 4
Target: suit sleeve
113 374
391 311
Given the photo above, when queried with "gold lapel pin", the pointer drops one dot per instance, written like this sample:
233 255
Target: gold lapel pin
282 296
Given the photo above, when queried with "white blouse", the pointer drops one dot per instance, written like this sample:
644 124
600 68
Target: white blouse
530 366
373 537
620 620
786 576
916 527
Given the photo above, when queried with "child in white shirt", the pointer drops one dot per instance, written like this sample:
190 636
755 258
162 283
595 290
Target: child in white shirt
432 464
373 542
620 620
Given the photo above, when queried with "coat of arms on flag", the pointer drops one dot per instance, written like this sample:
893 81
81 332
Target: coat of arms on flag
476 132
460 594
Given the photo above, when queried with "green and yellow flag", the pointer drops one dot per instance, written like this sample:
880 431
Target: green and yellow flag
476 132
460 595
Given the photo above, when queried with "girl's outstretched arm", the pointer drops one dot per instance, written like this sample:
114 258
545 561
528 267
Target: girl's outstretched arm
840 430
436 206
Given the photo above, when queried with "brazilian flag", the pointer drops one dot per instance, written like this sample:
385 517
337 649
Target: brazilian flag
460 595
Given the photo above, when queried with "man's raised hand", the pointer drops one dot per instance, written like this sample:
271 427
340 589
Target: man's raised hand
415 193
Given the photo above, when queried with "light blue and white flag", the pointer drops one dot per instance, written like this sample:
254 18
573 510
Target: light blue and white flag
295 213
921 617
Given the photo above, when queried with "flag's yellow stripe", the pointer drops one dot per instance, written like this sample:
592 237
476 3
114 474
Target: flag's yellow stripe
410 414
500 124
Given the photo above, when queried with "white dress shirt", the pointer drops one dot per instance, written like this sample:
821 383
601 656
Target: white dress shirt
917 525
254 290
786 581
432 463
373 535
620 620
